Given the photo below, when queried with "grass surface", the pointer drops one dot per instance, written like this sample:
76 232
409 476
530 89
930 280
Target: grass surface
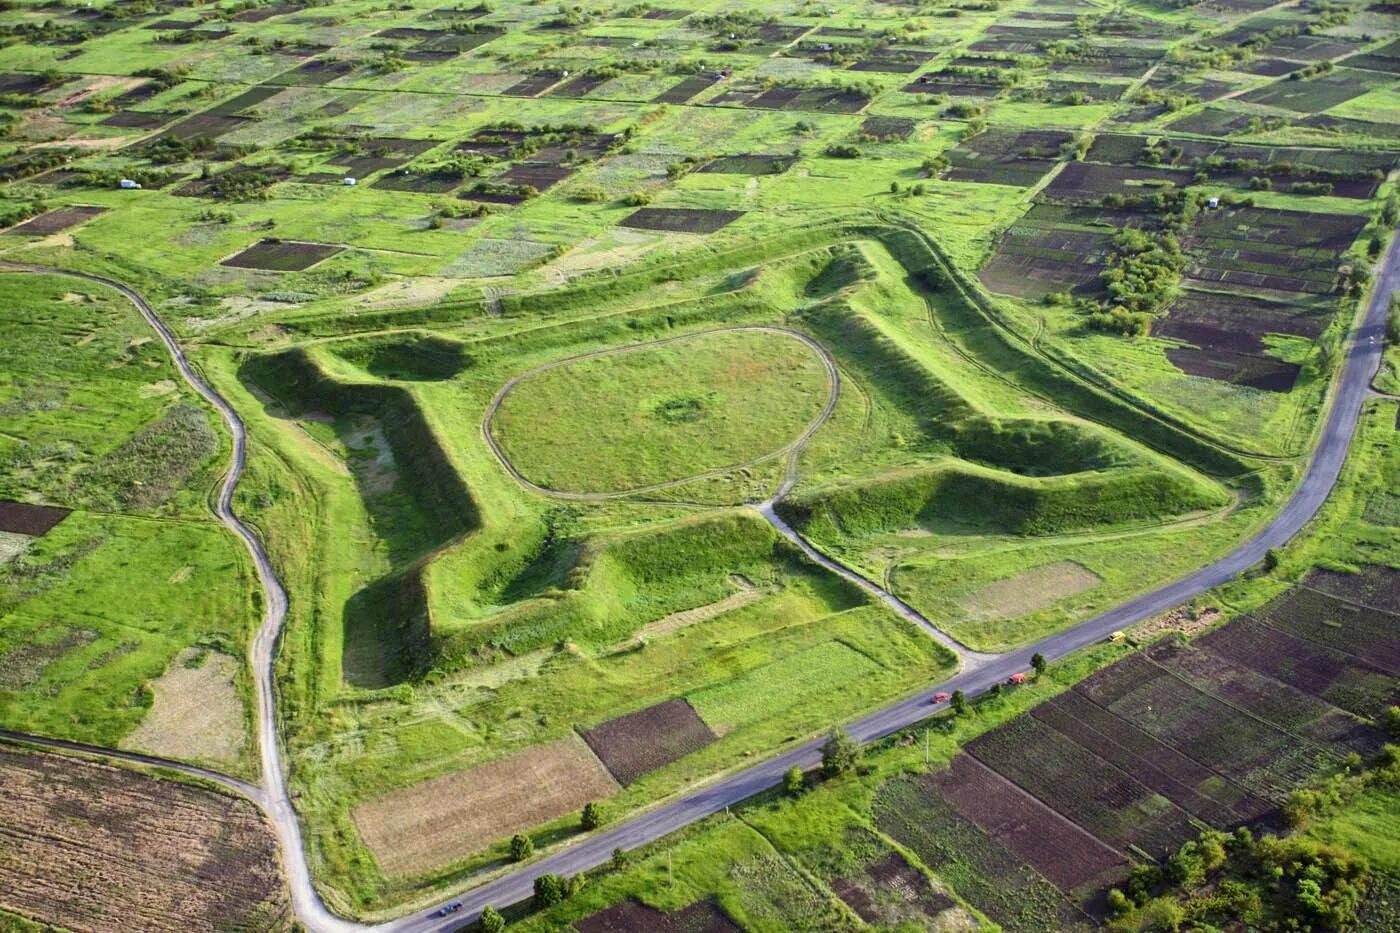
97 609
659 413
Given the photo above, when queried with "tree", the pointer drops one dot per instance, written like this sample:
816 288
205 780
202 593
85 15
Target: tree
840 754
592 816
959 702
549 890
1118 903
1038 663
521 847
619 859
491 920
794 781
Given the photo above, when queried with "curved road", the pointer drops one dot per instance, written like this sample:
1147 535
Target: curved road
1363 356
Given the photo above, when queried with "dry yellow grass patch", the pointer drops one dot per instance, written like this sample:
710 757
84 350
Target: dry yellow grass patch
158 389
430 824
197 713
746 594
1029 590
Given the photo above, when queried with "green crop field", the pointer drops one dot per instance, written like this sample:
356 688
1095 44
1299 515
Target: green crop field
565 335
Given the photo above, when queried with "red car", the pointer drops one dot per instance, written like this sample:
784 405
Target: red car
940 698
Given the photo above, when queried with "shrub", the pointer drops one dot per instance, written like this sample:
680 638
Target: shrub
963 111
549 890
592 816
841 754
521 847
794 781
491 920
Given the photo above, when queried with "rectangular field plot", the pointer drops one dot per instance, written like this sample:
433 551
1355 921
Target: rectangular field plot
1029 591
55 221
211 124
1377 587
1242 369
1055 847
1090 181
430 824
1294 711
1276 250
632 917
1112 804
1314 95
680 219
1225 335
686 89
912 811
1053 249
771 688
1200 791
1266 760
281 256
889 891
33 520
1006 157
631 746
92 847
747 165
1341 679
138 119
1372 635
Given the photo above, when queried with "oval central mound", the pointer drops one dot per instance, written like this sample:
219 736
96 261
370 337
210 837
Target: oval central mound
654 413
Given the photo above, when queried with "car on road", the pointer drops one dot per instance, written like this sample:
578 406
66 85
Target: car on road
447 909
940 697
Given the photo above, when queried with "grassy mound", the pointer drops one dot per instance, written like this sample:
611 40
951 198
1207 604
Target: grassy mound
970 495
615 584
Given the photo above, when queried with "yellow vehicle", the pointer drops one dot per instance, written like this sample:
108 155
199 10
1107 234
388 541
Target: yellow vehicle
1116 636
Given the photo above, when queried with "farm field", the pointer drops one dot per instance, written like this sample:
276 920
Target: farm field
635 392
124 460
169 857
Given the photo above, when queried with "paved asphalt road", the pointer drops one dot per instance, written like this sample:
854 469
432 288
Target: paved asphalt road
1362 360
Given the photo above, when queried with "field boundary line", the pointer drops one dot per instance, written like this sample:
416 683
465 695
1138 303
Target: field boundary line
1301 739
